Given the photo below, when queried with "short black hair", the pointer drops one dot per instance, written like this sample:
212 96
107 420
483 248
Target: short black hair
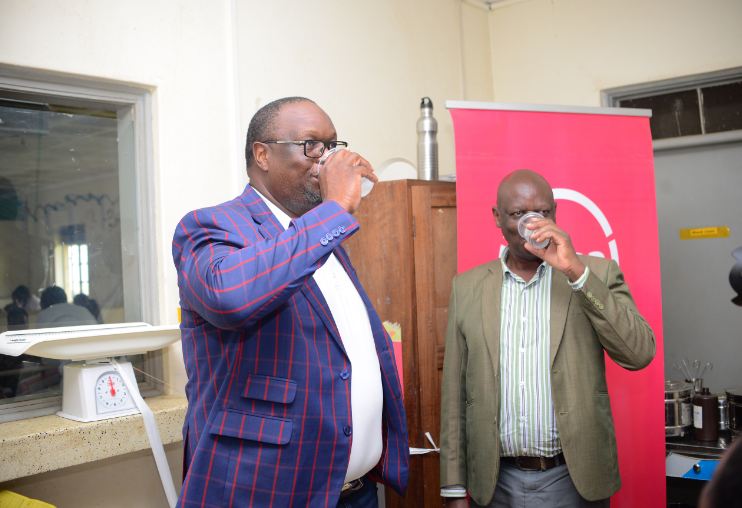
262 123
85 301
52 296
21 294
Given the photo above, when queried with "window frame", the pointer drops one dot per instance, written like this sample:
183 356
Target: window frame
133 104
610 97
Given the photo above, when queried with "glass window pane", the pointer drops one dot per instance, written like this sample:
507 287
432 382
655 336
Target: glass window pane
60 229
722 107
673 114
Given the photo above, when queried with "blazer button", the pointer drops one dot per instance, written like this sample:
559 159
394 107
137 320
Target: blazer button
341 229
335 232
323 241
344 375
347 430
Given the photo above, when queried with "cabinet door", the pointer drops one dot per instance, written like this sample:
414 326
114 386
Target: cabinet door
434 243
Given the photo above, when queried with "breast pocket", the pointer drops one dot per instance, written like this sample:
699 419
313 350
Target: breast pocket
270 389
253 418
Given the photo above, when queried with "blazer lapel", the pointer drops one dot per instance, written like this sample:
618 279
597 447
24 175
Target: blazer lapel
491 302
561 294
269 227
267 223
312 293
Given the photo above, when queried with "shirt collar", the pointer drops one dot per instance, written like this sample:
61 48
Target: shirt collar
540 271
282 217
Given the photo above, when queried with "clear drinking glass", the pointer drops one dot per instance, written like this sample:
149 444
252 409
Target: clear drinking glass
366 184
526 233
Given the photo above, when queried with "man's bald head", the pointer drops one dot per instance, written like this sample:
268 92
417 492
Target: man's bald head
520 192
520 178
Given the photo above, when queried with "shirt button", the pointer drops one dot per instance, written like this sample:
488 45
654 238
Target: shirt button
344 375
347 430
523 418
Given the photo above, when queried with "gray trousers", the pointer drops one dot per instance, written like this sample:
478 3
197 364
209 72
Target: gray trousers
552 488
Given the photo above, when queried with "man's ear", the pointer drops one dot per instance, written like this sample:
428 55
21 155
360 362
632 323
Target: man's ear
496 214
261 155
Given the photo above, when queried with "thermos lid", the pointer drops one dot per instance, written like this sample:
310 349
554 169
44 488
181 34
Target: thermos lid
425 102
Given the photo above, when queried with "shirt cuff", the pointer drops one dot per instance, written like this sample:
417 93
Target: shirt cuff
577 285
453 491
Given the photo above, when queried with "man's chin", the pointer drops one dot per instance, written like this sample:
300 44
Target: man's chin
311 199
521 253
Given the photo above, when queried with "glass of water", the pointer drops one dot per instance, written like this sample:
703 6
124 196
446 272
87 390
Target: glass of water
526 233
366 184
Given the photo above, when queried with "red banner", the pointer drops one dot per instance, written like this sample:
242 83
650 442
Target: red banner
601 169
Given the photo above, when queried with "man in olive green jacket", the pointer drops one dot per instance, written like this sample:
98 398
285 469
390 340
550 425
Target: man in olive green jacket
543 317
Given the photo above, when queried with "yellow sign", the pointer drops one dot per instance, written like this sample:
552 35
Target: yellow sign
706 232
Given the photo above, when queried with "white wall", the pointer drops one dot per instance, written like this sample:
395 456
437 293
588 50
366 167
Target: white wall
183 52
367 64
567 51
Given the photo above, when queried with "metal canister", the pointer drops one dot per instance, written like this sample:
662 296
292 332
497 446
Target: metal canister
723 412
427 143
678 408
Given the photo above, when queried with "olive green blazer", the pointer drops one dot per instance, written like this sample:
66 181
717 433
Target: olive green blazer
600 317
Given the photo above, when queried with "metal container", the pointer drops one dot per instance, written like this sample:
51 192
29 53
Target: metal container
427 144
678 408
734 407
723 412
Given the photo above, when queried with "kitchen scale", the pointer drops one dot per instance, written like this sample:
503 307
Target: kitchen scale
95 386
95 390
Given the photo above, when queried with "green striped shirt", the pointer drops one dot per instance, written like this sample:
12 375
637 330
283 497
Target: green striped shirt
527 419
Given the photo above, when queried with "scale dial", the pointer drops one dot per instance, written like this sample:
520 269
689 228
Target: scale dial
111 394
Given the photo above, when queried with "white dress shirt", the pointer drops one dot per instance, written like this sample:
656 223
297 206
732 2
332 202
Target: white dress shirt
351 318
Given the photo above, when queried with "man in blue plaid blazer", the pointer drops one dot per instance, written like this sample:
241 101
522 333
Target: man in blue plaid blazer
293 392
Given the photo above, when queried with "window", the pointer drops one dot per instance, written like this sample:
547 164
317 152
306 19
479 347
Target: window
74 215
688 106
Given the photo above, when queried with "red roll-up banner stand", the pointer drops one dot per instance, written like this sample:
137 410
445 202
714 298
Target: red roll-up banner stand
599 163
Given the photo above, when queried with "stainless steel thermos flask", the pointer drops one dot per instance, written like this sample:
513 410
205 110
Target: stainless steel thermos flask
427 144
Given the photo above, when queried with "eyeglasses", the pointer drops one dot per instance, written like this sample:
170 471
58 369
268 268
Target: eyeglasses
312 147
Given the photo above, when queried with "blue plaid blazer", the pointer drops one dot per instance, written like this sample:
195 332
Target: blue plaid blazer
269 418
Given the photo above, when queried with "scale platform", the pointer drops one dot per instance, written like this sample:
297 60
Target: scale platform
94 387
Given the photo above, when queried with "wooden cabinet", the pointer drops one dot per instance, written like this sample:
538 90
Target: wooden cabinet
405 256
